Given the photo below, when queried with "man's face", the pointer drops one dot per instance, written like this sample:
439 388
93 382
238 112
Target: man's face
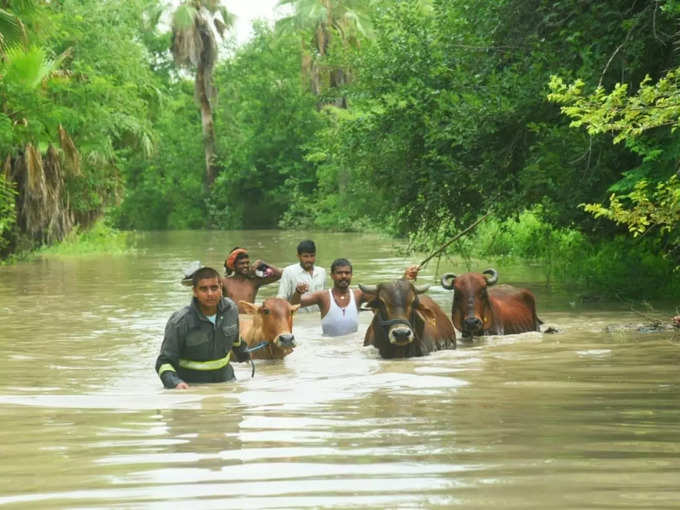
342 276
208 293
242 265
307 260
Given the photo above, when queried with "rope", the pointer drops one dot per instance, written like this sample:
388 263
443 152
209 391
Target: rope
259 346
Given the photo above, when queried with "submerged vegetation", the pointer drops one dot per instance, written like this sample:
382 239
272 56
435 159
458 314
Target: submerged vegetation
409 117
100 238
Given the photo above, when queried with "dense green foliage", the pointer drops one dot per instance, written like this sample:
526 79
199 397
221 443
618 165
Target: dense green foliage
413 117
74 106
264 121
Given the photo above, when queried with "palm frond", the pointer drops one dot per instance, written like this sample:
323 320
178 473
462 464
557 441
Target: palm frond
12 30
27 67
184 16
204 27
186 40
228 18
307 15
7 172
71 153
35 173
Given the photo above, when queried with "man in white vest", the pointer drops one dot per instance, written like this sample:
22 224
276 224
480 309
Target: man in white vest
339 306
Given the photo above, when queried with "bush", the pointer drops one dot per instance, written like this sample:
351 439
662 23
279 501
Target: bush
101 238
619 267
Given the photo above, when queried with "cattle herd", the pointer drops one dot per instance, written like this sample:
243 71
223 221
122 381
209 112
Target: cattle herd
406 322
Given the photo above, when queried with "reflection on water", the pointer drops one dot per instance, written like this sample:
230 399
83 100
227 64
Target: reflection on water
578 419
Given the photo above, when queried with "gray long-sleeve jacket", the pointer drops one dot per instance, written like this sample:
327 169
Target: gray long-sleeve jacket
195 350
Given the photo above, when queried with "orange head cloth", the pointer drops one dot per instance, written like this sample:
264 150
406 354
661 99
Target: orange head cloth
231 259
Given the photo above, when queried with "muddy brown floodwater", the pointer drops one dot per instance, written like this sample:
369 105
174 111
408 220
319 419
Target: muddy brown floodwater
581 419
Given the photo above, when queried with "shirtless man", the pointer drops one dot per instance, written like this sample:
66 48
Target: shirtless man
242 281
339 306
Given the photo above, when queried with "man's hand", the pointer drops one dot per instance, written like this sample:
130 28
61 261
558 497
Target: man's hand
301 288
411 272
241 352
182 386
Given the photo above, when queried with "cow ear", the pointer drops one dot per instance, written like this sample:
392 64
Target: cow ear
294 308
250 308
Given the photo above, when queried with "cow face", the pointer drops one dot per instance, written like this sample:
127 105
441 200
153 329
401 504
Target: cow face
273 321
471 312
396 308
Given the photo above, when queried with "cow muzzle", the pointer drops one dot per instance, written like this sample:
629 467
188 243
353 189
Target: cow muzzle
399 332
285 340
472 326
400 335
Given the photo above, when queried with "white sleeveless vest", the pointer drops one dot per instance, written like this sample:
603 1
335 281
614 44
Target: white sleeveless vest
340 321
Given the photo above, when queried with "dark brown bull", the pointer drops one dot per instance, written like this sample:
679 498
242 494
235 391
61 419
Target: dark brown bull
271 324
406 323
480 310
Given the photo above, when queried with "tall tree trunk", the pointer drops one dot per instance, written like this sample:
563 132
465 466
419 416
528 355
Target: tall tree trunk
202 86
338 80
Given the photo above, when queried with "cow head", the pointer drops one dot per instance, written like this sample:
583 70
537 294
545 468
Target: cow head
398 313
471 312
273 320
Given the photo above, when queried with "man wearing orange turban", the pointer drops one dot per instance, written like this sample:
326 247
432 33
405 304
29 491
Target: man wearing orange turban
242 281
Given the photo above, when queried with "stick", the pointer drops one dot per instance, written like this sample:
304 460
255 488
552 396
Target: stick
457 236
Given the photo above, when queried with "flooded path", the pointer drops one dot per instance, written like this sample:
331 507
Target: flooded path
580 419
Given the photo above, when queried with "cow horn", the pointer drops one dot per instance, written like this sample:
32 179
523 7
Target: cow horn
447 280
493 276
420 289
369 289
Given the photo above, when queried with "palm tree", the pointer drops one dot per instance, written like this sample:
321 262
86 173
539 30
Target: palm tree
195 26
323 20
42 209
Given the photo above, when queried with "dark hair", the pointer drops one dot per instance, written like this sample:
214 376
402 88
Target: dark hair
306 246
202 274
340 263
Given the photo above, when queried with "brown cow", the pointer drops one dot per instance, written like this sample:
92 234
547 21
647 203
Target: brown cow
480 310
270 323
406 323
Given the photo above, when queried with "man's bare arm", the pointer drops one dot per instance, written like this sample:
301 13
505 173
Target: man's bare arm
274 272
299 296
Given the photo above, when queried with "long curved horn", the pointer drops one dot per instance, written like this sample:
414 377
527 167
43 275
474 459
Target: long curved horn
369 289
445 280
493 276
420 289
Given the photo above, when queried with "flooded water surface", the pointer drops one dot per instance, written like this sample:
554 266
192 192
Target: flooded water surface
588 417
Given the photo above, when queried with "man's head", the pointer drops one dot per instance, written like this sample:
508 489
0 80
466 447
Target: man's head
307 254
341 273
238 261
207 289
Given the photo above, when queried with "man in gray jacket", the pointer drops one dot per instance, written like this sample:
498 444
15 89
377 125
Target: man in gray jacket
199 338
